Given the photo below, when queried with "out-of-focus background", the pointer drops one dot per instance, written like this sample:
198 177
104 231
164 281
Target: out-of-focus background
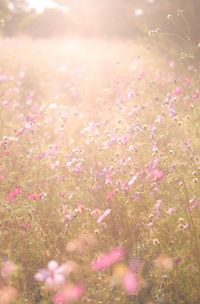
105 18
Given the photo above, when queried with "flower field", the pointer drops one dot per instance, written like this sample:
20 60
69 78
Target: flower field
99 173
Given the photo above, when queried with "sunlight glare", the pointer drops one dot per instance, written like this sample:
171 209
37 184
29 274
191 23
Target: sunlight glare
40 5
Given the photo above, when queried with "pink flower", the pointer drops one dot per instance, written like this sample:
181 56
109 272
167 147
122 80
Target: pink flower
157 175
178 91
129 283
32 196
132 181
7 269
42 195
25 226
108 178
157 207
110 196
103 216
107 260
13 194
196 95
69 294
54 276
171 211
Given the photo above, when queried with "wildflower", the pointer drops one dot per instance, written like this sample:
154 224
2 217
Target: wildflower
54 276
103 216
32 196
130 283
132 180
107 260
7 269
157 175
13 194
68 294
178 91
194 203
171 211
196 95
124 276
157 208
110 196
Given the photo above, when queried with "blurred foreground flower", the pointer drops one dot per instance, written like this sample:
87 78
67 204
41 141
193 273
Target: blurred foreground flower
54 276
7 269
107 260
157 175
125 277
164 263
8 295
69 294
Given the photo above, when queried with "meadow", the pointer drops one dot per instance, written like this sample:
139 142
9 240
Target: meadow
99 173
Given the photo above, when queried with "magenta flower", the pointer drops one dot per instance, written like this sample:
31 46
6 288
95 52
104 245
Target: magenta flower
13 194
107 260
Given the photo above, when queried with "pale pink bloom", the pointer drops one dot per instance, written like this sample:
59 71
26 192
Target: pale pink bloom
107 260
42 195
194 203
29 125
69 294
196 95
157 175
178 91
103 216
7 269
55 165
132 180
32 196
157 207
171 211
110 196
129 283
54 276
108 178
